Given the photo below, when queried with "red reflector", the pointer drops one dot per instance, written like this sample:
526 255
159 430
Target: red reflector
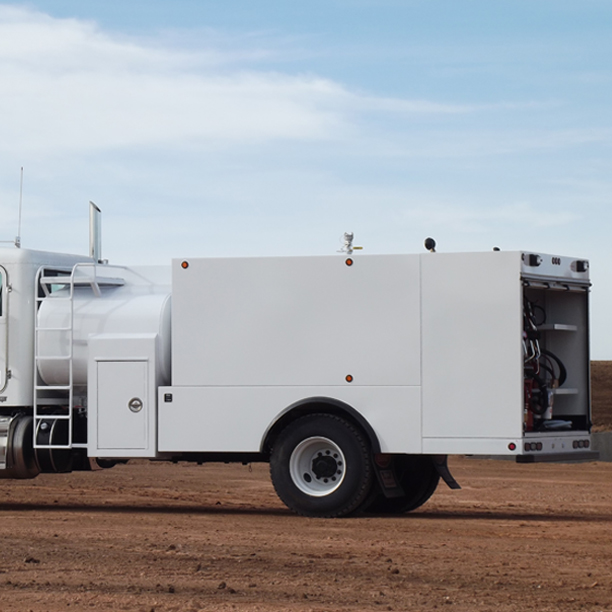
382 461
512 446
587 443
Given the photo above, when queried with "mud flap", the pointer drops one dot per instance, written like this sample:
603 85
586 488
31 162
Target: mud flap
385 475
441 463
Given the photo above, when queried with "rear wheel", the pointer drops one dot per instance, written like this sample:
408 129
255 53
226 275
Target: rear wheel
320 466
418 477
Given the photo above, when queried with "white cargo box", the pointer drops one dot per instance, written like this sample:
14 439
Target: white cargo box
428 349
251 337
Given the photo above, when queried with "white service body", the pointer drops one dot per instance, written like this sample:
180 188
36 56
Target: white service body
211 356
433 345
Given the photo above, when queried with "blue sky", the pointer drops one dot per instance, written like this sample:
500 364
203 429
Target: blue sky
270 128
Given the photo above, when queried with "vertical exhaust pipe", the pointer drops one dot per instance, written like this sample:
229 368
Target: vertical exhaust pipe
95 233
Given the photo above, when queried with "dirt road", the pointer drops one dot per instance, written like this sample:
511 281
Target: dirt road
181 537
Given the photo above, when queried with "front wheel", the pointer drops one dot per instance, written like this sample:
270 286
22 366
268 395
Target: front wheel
320 466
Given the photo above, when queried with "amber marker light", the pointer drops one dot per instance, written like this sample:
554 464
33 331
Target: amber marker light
349 262
349 378
184 265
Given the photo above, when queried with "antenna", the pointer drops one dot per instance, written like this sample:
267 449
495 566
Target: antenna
18 237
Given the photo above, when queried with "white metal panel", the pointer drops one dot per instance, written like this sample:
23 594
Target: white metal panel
4 304
296 321
472 345
471 446
118 384
29 257
235 419
122 367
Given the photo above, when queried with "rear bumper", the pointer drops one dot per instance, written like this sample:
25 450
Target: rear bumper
558 457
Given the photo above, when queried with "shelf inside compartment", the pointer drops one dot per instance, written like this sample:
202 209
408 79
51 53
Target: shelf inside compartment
558 327
565 391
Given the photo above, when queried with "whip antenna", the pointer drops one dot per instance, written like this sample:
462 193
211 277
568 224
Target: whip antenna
18 237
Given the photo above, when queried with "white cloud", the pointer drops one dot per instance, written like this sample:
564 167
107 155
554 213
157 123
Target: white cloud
95 110
66 86
32 39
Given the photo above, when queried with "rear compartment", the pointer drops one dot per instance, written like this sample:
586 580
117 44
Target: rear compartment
556 355
505 355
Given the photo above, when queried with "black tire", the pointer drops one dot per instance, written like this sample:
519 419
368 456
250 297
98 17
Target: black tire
53 460
419 479
320 466
23 462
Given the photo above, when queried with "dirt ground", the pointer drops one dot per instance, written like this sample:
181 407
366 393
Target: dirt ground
601 395
162 537
180 537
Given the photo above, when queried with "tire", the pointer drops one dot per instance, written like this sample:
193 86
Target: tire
418 477
22 459
53 431
320 466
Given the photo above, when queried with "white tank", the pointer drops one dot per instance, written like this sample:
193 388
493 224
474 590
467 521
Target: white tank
132 308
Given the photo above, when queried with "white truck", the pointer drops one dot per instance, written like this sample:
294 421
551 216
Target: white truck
354 376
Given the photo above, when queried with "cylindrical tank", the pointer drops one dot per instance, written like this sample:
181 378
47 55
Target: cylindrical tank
118 310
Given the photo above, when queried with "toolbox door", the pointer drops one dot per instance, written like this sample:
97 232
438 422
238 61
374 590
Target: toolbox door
122 404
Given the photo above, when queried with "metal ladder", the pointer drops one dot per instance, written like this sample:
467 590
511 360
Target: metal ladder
60 395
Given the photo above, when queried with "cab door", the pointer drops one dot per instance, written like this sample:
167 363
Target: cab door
4 293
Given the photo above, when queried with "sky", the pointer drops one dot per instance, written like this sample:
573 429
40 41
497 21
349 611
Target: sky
243 127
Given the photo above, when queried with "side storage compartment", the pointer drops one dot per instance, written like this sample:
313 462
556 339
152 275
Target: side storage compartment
122 395
556 337
506 355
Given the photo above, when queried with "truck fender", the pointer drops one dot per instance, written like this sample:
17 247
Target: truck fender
312 405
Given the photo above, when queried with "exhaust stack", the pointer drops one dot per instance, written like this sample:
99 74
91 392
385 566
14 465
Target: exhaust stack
95 233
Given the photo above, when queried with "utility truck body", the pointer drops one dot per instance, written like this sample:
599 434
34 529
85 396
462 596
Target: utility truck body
354 376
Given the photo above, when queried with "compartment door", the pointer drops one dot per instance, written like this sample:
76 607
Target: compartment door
123 405
3 328
472 348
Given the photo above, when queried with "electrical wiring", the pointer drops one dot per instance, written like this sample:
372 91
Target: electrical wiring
543 370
